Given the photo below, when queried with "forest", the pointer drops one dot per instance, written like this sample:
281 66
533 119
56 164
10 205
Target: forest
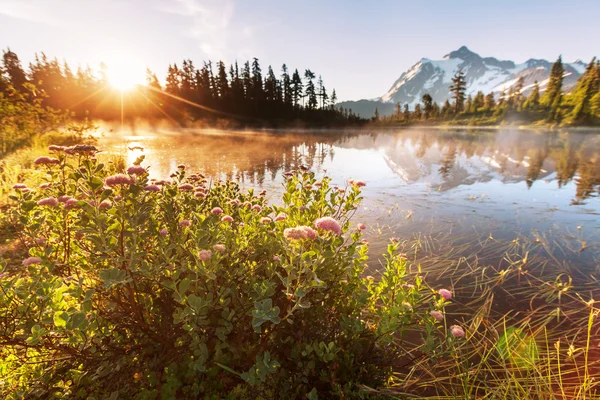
212 92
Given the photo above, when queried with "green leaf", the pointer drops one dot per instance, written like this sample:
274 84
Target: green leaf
60 319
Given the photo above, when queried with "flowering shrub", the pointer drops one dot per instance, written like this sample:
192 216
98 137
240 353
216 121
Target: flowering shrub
142 289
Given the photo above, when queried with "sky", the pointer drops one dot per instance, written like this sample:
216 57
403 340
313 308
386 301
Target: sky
360 47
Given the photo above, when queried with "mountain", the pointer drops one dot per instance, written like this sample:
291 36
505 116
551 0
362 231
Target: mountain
486 74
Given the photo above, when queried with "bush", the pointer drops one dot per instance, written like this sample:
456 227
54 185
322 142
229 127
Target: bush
194 289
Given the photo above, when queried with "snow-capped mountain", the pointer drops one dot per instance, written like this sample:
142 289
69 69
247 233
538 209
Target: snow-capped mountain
486 74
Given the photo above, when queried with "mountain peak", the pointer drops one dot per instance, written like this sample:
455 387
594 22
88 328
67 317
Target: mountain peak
463 53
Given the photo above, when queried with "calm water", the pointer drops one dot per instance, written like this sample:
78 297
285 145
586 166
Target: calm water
489 182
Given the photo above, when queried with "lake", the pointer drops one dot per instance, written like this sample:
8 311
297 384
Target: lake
503 184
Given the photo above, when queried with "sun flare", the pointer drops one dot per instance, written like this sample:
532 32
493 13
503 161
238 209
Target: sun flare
124 76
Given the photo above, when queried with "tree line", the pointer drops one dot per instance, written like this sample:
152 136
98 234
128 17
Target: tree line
210 92
580 106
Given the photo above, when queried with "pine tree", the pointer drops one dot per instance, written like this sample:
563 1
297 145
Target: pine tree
406 113
14 73
478 102
286 85
152 80
588 85
333 99
518 100
533 100
417 114
297 88
469 104
172 81
427 105
446 108
554 87
398 112
376 115
457 89
309 90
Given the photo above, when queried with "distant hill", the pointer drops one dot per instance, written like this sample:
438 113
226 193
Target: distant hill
486 74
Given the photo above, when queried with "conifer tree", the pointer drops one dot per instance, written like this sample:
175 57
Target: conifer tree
376 115
398 111
297 88
14 73
446 108
406 113
310 91
554 87
587 86
457 89
427 105
333 99
533 100
417 114
286 85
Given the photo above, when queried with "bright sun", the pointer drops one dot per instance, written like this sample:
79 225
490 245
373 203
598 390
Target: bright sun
124 76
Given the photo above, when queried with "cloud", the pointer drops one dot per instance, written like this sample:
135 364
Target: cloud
27 10
211 26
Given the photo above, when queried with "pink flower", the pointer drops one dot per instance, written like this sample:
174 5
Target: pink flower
265 220
361 227
437 315
263 193
308 187
26 190
199 189
234 202
186 186
19 186
247 204
181 166
256 208
49 201
117 198
45 185
394 240
275 258
152 188
216 210
163 232
241 224
71 203
118 179
105 205
40 241
357 183
328 224
281 217
136 170
64 199
288 174
185 222
31 261
457 331
54 147
200 195
227 218
204 255
446 294
3 275
318 184
219 247
44 160
299 233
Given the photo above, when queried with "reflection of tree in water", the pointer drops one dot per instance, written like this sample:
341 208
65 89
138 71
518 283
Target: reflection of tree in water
573 156
448 160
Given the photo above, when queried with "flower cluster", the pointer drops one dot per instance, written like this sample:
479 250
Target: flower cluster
299 233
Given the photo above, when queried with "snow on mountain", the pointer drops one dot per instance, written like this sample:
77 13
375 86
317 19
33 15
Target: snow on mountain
482 74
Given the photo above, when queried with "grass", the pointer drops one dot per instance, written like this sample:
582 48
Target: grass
529 315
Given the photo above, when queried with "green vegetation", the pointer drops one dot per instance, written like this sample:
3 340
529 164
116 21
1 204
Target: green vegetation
579 107
192 288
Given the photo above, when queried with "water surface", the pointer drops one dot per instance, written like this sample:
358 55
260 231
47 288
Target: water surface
499 183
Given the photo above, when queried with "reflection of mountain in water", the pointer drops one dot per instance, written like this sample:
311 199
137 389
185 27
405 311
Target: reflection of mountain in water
449 159
441 159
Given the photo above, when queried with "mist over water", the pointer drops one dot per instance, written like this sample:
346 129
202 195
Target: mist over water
501 183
